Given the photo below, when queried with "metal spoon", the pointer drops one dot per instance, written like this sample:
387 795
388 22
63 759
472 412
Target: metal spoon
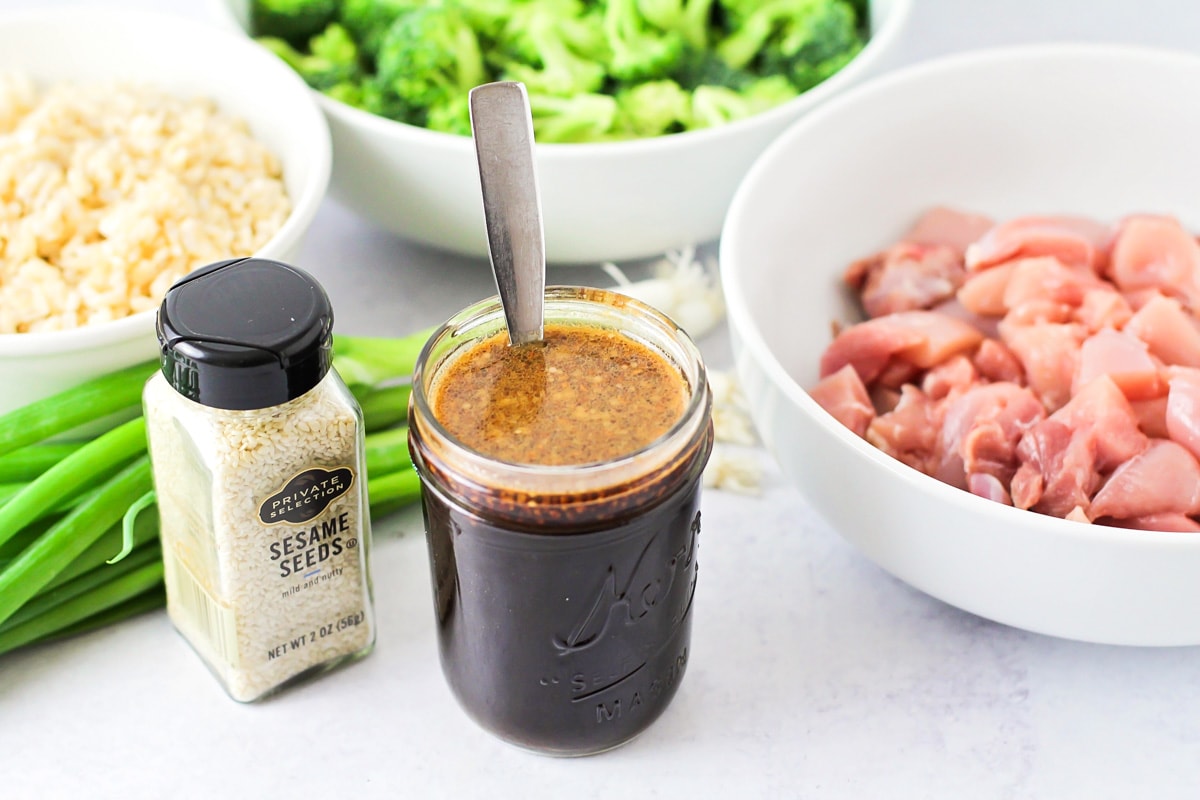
502 127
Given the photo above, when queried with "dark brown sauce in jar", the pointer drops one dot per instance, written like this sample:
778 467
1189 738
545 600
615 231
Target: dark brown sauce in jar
563 591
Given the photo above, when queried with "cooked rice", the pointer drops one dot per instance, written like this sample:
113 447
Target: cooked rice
111 192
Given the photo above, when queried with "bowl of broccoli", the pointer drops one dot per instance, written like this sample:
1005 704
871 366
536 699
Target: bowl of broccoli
646 113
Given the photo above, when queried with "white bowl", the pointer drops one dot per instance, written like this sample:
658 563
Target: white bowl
1095 130
608 201
189 59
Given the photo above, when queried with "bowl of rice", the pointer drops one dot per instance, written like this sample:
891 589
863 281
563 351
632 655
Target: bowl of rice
135 148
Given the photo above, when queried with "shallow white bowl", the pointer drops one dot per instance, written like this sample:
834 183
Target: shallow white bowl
183 57
609 201
1096 130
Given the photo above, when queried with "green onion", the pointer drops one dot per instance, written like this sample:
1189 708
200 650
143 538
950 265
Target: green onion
47 600
98 554
96 458
37 565
385 407
67 410
393 490
80 608
27 463
139 604
370 361
10 490
387 451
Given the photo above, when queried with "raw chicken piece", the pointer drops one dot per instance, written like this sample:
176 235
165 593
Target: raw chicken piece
1152 416
1036 311
1183 408
1057 470
1047 278
1077 514
909 432
1139 297
1103 307
983 292
1168 330
1075 241
843 395
1178 523
1062 457
988 326
980 431
988 487
950 227
1162 479
1049 354
996 362
953 377
883 398
943 337
1157 253
920 338
868 347
1100 410
906 277
896 374
1123 358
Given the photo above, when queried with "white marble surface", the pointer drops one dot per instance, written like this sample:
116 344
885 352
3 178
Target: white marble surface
813 674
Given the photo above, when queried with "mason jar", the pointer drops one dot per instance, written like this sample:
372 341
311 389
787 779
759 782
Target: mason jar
563 592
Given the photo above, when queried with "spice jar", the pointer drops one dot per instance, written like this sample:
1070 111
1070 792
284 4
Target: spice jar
257 450
563 568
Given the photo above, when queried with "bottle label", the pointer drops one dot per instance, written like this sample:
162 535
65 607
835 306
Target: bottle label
304 496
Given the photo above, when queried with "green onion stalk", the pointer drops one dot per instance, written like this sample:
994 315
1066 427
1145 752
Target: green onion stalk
79 545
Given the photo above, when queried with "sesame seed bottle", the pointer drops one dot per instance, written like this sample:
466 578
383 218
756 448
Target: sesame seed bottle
257 450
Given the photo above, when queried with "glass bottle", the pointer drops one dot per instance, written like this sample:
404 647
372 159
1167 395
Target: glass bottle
257 450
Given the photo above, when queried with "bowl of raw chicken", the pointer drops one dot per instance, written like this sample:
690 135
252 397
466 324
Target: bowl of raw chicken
964 300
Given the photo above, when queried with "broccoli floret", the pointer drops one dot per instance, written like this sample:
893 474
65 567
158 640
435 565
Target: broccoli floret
579 118
490 17
812 47
804 76
428 55
639 50
653 108
734 12
451 115
376 98
545 61
717 105
348 92
827 31
368 21
690 18
706 68
335 57
294 21
781 34
332 58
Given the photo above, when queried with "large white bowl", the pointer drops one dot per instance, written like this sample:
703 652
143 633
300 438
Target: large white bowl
609 201
180 56
1095 130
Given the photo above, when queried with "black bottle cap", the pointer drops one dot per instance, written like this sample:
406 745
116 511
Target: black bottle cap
245 333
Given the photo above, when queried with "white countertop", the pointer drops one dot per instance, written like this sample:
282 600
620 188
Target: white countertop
813 672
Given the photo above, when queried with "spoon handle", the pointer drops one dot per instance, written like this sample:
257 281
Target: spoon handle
503 131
